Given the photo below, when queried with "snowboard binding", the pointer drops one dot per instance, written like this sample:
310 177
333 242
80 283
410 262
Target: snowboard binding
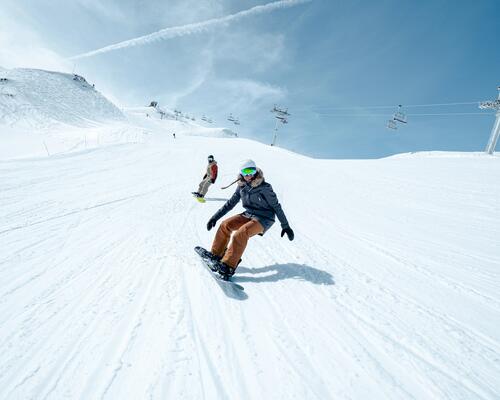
225 270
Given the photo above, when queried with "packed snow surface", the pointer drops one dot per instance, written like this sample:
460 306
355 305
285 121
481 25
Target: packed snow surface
390 290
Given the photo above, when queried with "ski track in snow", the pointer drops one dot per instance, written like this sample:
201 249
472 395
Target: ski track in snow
384 293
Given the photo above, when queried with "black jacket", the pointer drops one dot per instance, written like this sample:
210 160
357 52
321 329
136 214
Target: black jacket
258 200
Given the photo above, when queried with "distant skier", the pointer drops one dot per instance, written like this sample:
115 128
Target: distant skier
208 179
261 205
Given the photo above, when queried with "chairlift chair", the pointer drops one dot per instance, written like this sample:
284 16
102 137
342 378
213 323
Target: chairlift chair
399 115
391 124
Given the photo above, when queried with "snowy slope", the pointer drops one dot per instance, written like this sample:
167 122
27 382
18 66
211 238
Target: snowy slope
389 291
46 113
35 98
164 121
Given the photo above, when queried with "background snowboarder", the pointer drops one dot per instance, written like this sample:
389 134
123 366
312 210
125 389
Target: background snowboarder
261 205
208 179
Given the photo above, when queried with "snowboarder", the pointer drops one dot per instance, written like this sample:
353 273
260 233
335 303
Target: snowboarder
261 205
208 179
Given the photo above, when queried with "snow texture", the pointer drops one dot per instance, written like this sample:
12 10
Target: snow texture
36 98
390 289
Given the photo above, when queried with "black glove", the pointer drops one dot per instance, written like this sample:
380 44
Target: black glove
211 223
212 180
289 233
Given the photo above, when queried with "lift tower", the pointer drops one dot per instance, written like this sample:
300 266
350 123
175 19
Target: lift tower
281 115
495 132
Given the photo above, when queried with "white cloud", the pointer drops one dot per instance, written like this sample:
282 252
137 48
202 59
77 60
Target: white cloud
248 91
248 100
104 9
262 51
199 77
21 47
180 12
189 29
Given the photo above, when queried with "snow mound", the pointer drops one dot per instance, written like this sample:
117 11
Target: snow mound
42 99
159 119
440 154
211 132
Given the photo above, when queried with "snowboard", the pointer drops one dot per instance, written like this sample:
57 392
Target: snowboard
200 199
210 265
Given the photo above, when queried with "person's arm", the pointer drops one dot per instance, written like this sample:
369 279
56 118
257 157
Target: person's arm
273 202
213 173
235 198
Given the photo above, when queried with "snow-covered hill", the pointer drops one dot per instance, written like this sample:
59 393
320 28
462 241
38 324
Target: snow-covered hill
37 98
390 289
161 120
47 113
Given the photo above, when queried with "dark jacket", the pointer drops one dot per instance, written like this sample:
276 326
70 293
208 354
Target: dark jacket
258 199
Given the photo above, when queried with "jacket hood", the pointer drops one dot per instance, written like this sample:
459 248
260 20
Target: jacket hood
256 181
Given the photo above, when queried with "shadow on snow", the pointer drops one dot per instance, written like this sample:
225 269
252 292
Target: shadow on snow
285 271
215 199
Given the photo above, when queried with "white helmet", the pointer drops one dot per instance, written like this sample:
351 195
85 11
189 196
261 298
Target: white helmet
248 164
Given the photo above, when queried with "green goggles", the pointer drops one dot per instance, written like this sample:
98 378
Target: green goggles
248 171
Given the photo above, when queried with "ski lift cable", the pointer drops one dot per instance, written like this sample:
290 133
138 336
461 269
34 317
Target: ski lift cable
409 115
465 113
395 105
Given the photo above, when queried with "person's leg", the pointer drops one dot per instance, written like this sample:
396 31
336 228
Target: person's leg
204 185
223 234
200 186
239 242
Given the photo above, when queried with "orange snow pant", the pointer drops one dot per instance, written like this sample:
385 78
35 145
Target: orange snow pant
242 229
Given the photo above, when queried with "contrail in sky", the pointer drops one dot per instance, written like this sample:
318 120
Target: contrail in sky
189 29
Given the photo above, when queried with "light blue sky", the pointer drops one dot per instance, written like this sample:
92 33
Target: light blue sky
313 58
